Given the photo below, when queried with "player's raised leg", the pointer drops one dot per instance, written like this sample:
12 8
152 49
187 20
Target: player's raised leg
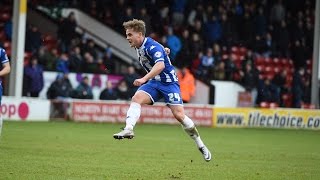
190 128
133 115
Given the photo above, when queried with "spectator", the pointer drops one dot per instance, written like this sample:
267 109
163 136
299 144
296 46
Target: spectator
177 8
206 63
174 44
219 72
187 84
279 80
108 18
277 12
129 78
63 64
33 78
61 88
184 57
249 79
67 32
298 87
143 15
282 40
48 58
90 47
33 39
213 30
89 65
270 46
298 55
122 90
230 68
247 30
196 14
76 60
109 93
260 23
227 31
83 90
268 92
248 59
197 45
8 29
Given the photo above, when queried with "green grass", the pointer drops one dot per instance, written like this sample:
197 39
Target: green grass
65 150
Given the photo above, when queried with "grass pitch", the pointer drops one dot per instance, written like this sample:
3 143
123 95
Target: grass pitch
65 150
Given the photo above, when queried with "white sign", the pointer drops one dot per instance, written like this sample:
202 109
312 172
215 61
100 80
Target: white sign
25 109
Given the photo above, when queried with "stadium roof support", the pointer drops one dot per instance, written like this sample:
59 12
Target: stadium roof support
18 42
316 58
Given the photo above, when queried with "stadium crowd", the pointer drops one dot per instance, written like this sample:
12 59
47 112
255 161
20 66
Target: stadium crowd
264 45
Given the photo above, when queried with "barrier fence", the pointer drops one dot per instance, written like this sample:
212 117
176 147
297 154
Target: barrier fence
31 109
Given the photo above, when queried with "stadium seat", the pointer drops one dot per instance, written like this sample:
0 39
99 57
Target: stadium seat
243 51
276 61
284 62
287 100
276 69
307 106
264 104
273 105
260 68
235 50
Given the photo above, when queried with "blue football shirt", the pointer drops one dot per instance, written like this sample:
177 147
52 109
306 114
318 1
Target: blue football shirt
152 52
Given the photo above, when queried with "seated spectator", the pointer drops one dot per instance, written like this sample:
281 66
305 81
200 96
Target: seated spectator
219 72
187 84
33 78
230 68
249 79
83 91
267 92
63 64
129 78
61 88
279 80
123 91
90 65
76 60
206 63
48 58
109 93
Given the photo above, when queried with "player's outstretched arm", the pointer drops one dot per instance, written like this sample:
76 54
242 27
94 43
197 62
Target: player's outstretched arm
5 69
156 69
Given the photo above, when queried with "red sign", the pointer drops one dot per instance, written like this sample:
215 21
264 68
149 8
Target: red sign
116 112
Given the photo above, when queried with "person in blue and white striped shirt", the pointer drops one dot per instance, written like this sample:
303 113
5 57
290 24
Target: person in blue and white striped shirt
159 82
4 70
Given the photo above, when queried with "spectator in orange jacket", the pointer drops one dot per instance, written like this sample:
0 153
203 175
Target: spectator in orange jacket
187 84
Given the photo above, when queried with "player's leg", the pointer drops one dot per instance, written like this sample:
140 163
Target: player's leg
146 94
171 94
190 128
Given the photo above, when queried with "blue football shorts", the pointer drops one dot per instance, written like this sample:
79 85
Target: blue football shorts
157 90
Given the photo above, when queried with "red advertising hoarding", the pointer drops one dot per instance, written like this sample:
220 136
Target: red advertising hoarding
116 112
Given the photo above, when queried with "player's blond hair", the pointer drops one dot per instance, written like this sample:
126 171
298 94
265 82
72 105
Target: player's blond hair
136 25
